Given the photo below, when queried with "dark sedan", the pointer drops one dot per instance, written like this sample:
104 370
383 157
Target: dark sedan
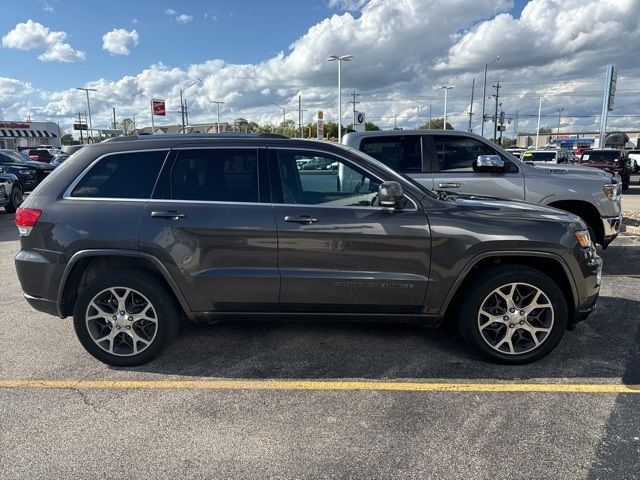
39 155
29 172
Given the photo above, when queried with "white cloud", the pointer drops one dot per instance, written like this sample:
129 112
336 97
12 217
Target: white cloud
12 87
183 18
47 7
32 35
118 41
134 21
170 11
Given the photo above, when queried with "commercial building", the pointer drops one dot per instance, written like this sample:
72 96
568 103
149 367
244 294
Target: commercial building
29 134
618 139
239 125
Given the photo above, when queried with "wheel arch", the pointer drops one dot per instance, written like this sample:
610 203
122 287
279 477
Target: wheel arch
585 210
85 265
550 264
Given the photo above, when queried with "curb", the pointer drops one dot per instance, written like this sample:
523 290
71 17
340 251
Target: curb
630 229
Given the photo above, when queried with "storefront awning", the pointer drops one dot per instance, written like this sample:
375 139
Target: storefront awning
6 132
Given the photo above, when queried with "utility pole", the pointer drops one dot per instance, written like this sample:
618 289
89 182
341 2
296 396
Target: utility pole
80 124
114 118
300 110
559 110
395 121
429 116
354 102
515 127
181 111
501 123
218 103
495 117
473 85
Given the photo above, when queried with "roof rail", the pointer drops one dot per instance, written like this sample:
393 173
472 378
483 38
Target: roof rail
147 136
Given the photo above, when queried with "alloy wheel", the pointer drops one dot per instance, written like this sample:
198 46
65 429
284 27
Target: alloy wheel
516 318
121 321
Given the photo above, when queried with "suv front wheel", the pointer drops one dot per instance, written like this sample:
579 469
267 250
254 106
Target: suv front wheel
125 319
513 314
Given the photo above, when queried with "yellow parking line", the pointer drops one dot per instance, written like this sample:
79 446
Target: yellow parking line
321 385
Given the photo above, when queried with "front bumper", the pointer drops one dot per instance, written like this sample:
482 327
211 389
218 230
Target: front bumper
611 228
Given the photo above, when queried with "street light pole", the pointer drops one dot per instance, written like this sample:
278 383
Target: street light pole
339 59
538 129
218 103
484 93
446 89
87 90
284 114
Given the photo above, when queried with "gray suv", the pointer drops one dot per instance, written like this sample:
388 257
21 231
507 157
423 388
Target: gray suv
446 160
129 237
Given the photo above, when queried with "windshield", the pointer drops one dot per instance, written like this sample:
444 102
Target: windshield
539 156
382 166
602 156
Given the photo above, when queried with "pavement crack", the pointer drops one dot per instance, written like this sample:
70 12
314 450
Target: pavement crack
87 401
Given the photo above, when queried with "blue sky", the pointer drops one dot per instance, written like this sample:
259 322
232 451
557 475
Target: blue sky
238 32
255 53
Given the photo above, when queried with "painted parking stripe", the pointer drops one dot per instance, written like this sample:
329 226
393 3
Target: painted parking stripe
319 385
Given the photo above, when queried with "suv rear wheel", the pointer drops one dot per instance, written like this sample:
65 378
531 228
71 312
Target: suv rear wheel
513 314
125 319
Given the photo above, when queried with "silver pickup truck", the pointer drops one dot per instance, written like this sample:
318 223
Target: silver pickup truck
463 163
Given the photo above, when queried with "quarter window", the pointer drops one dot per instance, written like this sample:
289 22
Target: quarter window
311 178
122 175
401 153
459 154
223 175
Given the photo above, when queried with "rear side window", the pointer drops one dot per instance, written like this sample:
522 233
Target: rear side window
121 175
220 174
401 153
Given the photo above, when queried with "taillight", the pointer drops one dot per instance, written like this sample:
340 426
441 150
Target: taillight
26 218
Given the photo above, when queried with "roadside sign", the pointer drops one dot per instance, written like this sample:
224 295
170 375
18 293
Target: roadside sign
359 124
158 107
80 126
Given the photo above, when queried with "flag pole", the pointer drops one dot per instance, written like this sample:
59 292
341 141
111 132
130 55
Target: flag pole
153 127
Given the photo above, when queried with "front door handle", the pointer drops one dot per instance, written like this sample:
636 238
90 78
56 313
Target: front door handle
171 215
305 219
449 185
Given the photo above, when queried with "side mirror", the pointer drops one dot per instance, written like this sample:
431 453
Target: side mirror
390 195
489 163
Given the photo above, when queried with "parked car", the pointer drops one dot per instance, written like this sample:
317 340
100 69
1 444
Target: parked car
10 192
59 159
317 163
547 156
133 235
610 160
30 173
634 160
447 161
39 155
516 152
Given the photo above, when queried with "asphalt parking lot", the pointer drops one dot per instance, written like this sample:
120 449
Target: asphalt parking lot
299 400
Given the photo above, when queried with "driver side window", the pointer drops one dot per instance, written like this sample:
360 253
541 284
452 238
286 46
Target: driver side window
459 154
312 178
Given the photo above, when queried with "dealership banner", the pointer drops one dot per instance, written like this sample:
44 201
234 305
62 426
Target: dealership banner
158 107
320 125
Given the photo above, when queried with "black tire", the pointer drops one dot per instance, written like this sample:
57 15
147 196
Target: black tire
164 309
15 200
490 279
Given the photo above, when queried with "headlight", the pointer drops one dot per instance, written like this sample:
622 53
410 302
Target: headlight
612 191
584 240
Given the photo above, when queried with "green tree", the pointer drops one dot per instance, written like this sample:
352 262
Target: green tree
126 125
436 124
508 142
545 130
66 139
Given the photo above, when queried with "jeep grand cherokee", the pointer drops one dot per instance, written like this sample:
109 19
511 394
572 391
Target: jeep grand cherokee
128 237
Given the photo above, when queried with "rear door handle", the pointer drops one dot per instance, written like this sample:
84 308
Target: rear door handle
305 219
449 185
171 215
